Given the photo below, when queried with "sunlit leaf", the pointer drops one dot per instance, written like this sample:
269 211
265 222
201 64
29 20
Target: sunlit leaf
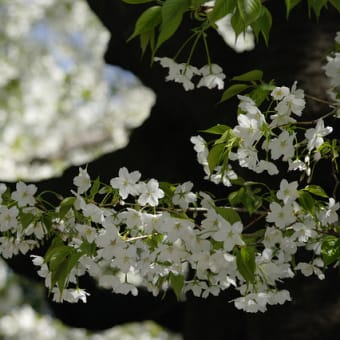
250 10
147 21
221 9
177 283
214 156
249 76
233 91
172 14
290 4
245 261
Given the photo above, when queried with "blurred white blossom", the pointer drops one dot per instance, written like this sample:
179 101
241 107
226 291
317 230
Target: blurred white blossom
60 105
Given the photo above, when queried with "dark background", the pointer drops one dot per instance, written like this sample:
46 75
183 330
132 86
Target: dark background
161 148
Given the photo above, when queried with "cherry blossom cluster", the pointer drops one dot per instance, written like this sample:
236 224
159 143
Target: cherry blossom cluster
151 235
136 234
211 75
66 87
273 132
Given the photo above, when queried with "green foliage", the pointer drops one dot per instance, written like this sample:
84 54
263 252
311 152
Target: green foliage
233 90
249 76
261 92
172 13
221 9
26 219
263 25
316 6
306 200
252 79
60 260
250 10
245 261
66 205
177 283
290 4
316 190
145 26
218 129
95 188
246 197
215 156
313 5
228 214
336 4
330 249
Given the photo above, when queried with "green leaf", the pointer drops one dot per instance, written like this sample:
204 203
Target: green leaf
214 156
246 197
228 214
260 93
336 4
306 200
330 249
290 4
233 91
26 219
218 129
263 25
136 2
46 219
61 259
65 205
249 76
147 21
250 10
172 14
236 197
237 23
316 6
316 190
245 261
177 283
147 38
95 188
221 9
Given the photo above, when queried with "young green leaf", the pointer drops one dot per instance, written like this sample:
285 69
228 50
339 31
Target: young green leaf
65 205
228 214
26 219
147 21
316 6
336 4
237 23
218 129
172 14
177 283
330 249
263 25
215 155
250 10
306 200
290 4
316 190
233 90
95 188
249 76
245 261
261 93
221 9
